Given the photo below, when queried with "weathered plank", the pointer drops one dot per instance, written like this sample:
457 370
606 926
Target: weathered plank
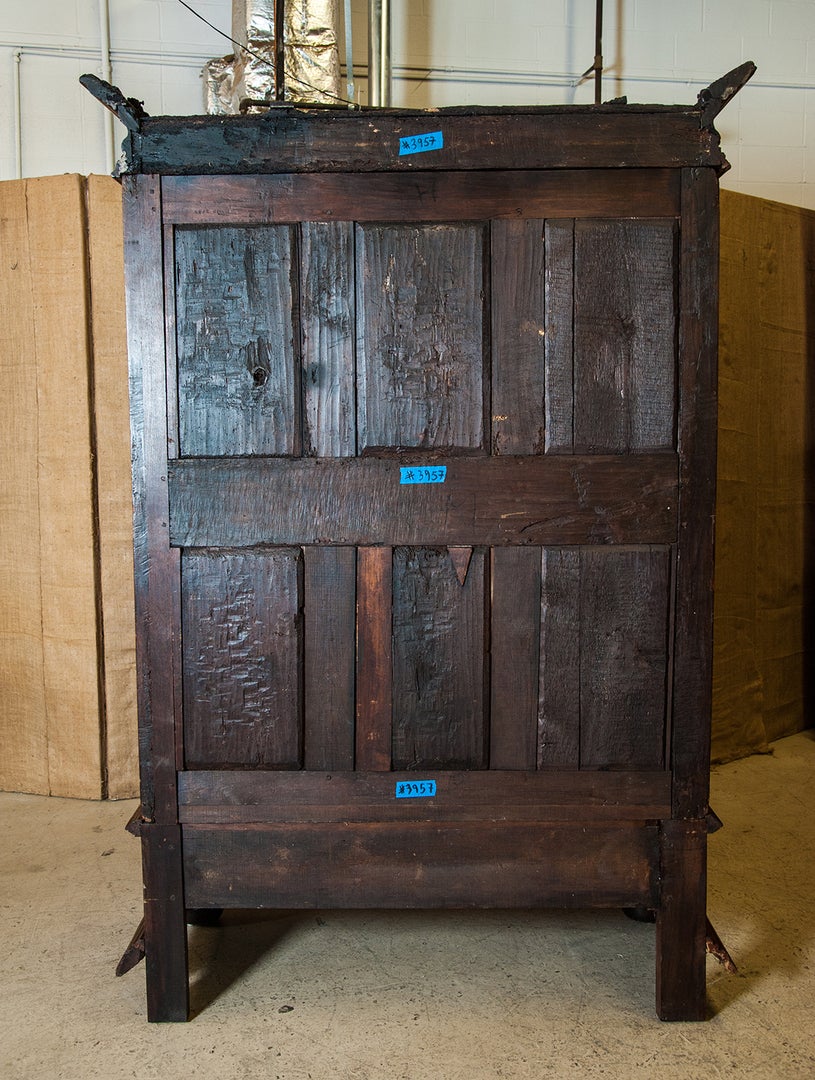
439 645
681 921
236 796
418 865
624 338
165 927
515 657
327 325
242 658
500 500
559 687
518 336
329 593
623 657
235 313
420 335
374 658
559 360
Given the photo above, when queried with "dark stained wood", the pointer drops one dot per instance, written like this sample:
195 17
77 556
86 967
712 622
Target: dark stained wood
624 340
374 659
623 636
235 325
442 197
681 922
165 926
327 321
515 657
518 336
420 345
242 658
461 557
559 326
499 500
559 686
329 656
439 661
156 564
697 430
239 797
420 865
329 141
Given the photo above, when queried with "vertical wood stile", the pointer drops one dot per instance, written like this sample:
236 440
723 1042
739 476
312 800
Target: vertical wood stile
374 658
559 686
559 339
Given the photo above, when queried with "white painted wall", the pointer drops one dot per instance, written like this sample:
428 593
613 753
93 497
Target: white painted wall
446 52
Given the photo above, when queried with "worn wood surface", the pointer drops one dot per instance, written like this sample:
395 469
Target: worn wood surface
319 141
421 865
439 661
500 500
559 337
681 923
244 797
242 646
560 659
374 702
165 926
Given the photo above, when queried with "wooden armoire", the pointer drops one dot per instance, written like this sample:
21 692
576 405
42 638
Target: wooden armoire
424 429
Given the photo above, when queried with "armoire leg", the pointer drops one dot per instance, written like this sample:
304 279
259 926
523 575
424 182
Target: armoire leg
680 929
165 924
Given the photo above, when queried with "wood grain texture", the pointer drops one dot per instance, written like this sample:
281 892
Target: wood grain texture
420 335
242 658
241 797
165 928
697 432
681 917
544 499
515 656
439 646
374 710
624 336
623 666
559 353
235 313
327 320
329 591
420 865
559 684
302 140
518 336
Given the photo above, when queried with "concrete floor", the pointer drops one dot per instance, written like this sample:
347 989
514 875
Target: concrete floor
408 996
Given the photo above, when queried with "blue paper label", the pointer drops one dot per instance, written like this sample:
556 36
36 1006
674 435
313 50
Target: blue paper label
420 144
415 789
415 475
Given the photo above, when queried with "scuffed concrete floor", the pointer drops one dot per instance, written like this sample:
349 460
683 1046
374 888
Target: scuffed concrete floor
408 996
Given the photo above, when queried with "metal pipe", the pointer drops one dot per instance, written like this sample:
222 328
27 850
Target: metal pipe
107 75
279 52
18 114
379 53
598 54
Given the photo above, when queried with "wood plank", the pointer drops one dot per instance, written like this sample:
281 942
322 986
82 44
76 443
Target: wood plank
165 927
235 797
327 323
157 568
623 666
420 865
242 662
500 500
559 355
195 200
374 658
420 335
697 432
624 348
439 646
515 657
559 687
537 138
329 613
518 336
235 310
681 919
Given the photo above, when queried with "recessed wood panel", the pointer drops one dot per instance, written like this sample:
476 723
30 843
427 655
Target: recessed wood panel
439 714
236 315
420 326
241 627
624 335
